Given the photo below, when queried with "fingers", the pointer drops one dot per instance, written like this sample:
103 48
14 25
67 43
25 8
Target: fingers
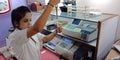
54 2
59 29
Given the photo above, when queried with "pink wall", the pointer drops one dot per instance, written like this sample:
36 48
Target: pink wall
5 20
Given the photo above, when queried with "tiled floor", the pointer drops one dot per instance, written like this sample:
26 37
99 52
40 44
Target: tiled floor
45 55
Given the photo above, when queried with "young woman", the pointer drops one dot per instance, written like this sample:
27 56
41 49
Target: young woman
26 39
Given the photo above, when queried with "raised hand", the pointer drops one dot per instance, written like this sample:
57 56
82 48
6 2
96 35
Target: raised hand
54 2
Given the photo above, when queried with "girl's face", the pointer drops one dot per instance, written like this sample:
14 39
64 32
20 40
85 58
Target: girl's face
25 22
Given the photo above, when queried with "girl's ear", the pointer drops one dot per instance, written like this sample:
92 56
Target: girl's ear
16 24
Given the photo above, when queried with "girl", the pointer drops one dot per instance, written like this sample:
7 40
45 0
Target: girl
26 39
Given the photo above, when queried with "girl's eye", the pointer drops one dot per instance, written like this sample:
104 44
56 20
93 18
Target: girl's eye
26 20
30 20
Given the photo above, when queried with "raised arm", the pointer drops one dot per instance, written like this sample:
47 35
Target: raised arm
40 23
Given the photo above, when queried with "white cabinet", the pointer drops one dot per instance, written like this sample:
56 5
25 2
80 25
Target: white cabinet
103 27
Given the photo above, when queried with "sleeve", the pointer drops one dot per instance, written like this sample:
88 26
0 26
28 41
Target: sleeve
40 37
19 37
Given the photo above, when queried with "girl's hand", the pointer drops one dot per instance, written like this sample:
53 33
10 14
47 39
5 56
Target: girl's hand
58 30
54 2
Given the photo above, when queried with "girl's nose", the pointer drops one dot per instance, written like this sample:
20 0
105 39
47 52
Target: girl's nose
29 23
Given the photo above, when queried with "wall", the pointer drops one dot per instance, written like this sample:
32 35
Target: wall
107 6
5 20
31 1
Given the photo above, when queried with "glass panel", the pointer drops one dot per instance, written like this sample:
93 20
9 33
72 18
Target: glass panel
76 27
85 16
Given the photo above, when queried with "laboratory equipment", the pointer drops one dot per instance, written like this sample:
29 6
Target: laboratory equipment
81 30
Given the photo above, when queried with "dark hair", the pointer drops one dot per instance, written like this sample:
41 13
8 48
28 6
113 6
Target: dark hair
18 14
